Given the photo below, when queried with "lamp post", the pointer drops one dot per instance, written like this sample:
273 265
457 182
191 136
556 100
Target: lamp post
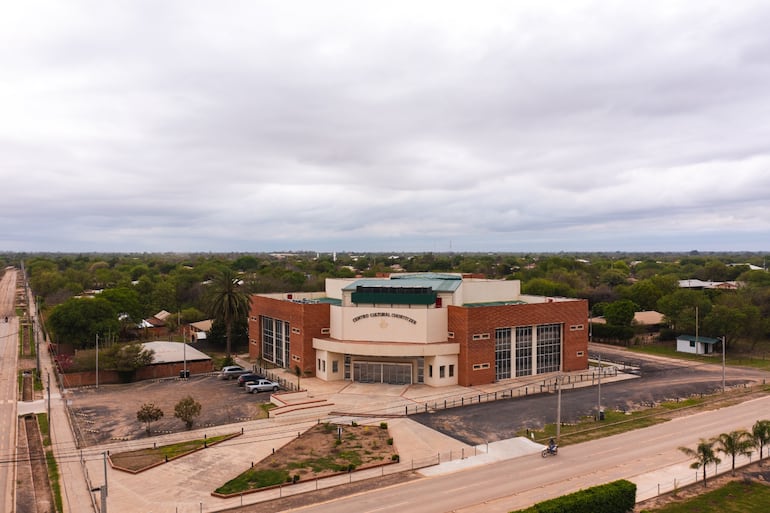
723 364
97 361
558 408
599 403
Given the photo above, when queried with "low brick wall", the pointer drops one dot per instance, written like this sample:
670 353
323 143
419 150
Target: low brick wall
163 370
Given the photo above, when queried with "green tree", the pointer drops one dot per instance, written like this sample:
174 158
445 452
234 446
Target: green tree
680 308
545 287
186 410
620 313
147 414
644 293
735 443
760 432
78 321
704 455
227 303
126 359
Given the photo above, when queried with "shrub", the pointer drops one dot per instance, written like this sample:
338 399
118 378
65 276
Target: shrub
390 441
383 425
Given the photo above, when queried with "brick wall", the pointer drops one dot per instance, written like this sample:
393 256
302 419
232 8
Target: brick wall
309 318
482 321
157 371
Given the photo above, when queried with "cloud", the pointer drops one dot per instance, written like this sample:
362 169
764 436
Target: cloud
502 126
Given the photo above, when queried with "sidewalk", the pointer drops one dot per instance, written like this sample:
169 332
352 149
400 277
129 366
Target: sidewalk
76 497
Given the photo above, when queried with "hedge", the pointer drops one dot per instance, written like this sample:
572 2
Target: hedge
615 497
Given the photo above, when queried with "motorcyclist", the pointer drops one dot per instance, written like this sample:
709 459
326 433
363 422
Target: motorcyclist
551 445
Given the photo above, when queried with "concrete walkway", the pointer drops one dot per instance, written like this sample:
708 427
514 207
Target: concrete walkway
76 496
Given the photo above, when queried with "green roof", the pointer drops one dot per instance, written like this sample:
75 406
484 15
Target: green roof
702 340
436 282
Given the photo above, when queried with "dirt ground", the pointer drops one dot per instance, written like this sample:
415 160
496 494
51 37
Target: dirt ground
109 412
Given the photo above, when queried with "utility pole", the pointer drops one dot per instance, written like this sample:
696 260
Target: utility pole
97 361
48 388
723 364
599 404
558 408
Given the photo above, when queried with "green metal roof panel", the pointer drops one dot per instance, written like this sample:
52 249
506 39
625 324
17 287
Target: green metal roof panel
370 298
411 281
702 340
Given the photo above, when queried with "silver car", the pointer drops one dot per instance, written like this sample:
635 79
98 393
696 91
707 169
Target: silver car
262 385
231 372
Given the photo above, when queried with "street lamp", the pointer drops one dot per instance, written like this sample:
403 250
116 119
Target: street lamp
558 407
723 364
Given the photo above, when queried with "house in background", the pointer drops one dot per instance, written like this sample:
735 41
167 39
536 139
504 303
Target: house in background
155 326
196 331
695 345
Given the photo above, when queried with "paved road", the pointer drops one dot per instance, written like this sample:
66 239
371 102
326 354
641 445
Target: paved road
662 379
518 483
8 384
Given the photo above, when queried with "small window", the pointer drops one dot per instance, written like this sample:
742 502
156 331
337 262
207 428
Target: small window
430 371
580 354
481 336
319 364
692 343
576 327
441 371
323 364
296 331
451 334
295 358
451 371
325 331
335 366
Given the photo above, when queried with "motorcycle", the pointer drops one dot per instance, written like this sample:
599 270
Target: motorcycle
552 451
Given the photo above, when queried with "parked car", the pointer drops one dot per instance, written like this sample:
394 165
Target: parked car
231 372
262 385
245 378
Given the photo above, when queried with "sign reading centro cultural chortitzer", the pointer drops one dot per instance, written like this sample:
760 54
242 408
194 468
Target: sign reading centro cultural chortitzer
384 314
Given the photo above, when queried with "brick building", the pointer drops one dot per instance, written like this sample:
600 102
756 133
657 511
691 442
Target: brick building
437 329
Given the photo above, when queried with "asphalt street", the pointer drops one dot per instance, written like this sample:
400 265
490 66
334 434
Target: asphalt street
661 379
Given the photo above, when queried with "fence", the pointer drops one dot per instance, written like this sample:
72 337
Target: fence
286 384
544 386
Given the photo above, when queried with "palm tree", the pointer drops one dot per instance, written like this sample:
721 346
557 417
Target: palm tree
760 432
704 454
735 443
227 303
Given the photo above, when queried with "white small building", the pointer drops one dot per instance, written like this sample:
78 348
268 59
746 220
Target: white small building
695 345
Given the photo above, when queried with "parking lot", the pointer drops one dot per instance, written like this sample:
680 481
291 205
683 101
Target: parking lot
109 412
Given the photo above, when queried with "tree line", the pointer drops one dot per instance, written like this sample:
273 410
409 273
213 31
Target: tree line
135 286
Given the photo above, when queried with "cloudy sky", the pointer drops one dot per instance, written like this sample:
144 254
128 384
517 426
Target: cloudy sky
384 126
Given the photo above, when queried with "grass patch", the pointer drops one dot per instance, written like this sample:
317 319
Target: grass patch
734 497
45 428
53 478
50 460
715 359
142 459
617 422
